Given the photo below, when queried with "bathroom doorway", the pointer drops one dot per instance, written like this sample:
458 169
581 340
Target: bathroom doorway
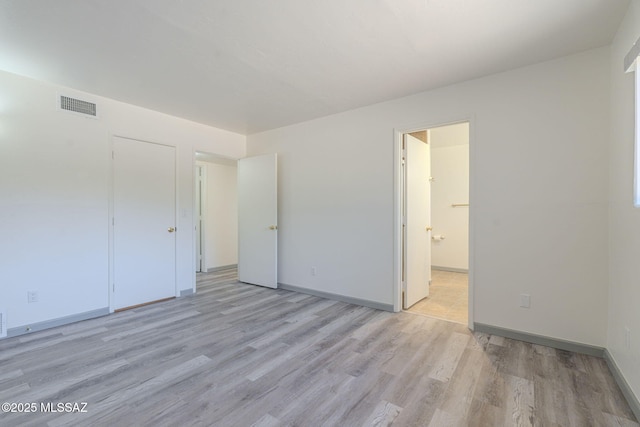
448 225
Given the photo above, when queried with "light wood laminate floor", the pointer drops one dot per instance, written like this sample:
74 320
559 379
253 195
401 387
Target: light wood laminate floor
241 355
448 297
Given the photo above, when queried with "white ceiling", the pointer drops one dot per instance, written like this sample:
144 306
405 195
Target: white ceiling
252 65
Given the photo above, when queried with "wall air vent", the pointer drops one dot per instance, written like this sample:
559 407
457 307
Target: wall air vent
78 106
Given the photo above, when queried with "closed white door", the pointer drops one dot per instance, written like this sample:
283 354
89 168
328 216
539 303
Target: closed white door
144 220
417 225
258 220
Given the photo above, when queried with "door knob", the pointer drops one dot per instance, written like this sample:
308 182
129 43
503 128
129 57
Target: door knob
429 228
171 229
273 227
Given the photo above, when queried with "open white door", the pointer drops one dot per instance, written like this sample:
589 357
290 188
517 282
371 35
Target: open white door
144 234
257 220
417 229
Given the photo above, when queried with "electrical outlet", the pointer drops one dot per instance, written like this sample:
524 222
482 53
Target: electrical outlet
627 338
32 296
314 271
525 300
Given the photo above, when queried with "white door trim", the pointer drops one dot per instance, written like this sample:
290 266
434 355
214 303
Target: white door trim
397 207
111 188
198 217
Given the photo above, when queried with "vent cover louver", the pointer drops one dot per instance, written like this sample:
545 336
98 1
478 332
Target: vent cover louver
77 106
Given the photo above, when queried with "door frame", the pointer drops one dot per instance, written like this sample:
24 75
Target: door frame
202 178
397 207
110 219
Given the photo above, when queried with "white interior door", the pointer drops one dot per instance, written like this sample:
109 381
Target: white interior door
258 220
417 229
144 203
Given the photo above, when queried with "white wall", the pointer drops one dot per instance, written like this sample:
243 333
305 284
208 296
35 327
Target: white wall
539 194
450 170
221 223
624 219
54 180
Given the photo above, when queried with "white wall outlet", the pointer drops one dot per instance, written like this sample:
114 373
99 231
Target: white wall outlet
525 300
32 296
314 271
627 338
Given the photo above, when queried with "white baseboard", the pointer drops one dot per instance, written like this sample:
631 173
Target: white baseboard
338 297
39 326
628 393
591 350
451 269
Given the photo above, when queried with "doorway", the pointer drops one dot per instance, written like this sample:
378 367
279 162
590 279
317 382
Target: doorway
235 212
215 212
436 238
